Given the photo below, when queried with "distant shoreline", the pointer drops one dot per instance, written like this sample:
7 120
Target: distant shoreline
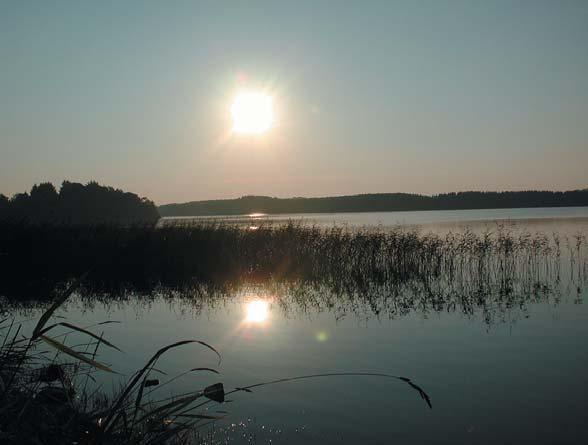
382 202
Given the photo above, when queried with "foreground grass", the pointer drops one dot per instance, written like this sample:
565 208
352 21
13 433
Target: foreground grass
46 399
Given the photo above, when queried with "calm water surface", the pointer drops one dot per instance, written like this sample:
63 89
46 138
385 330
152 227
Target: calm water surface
516 376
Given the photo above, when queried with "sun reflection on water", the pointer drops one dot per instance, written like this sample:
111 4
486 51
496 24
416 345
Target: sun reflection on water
257 311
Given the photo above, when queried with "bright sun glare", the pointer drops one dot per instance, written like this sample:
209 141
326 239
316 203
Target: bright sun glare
257 311
253 113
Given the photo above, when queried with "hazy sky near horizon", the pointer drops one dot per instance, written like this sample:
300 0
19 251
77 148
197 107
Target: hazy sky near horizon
377 96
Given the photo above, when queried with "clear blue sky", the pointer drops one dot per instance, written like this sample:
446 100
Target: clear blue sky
415 96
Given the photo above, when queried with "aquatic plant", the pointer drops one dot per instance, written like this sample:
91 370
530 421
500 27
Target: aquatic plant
37 259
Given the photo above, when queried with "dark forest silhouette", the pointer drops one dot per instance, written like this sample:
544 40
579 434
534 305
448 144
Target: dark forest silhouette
93 203
77 203
381 202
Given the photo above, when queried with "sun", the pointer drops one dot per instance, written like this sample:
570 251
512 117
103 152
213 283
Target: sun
252 113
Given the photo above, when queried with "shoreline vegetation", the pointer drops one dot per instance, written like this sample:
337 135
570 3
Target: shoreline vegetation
95 204
77 204
381 272
378 202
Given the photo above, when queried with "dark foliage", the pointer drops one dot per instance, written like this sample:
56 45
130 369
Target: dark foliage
77 204
381 202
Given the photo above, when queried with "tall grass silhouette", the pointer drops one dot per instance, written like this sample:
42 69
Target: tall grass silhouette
37 259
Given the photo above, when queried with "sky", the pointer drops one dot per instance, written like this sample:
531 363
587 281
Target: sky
369 96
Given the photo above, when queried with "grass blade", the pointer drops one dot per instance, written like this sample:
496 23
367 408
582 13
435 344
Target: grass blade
64 296
76 328
67 350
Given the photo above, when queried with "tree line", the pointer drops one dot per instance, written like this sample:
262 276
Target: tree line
77 203
93 203
380 202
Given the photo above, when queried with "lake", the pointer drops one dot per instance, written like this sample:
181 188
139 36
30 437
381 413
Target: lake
498 369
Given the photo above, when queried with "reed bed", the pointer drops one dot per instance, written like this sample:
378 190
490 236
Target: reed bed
36 259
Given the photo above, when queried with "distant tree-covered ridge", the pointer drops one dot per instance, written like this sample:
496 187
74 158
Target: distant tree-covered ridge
77 204
380 202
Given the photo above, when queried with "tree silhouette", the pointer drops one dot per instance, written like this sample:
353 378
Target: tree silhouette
78 204
4 203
